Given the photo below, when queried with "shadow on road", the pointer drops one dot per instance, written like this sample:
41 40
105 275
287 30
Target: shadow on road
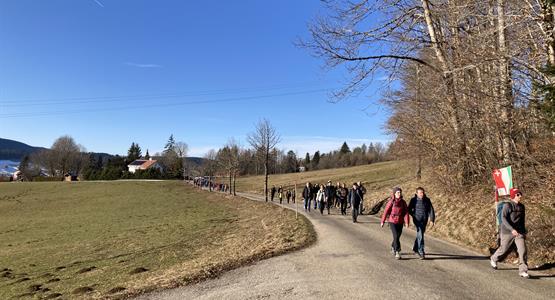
438 256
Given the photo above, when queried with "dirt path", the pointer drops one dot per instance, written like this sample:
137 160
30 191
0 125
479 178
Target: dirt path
352 261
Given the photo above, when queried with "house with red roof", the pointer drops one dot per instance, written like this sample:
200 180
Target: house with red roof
143 164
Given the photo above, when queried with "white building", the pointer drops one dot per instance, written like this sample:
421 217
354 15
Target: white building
142 164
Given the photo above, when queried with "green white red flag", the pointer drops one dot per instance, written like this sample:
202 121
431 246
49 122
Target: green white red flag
503 180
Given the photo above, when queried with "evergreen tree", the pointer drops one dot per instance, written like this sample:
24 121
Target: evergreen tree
147 156
170 145
134 152
24 168
307 160
345 148
315 160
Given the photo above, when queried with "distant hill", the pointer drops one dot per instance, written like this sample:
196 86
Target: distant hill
14 150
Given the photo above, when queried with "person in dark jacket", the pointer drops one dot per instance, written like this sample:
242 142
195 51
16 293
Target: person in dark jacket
315 189
293 194
421 210
513 230
307 196
288 196
272 193
362 191
342 194
355 198
330 195
396 214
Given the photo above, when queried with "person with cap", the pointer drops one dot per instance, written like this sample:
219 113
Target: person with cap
513 230
307 196
421 210
355 198
396 214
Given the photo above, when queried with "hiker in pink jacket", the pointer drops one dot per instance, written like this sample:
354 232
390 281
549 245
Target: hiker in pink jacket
396 214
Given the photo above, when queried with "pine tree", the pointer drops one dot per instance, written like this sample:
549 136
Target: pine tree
170 145
315 160
147 156
345 148
134 152
307 160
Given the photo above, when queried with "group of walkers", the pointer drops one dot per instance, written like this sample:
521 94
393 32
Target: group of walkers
289 194
203 182
327 196
397 213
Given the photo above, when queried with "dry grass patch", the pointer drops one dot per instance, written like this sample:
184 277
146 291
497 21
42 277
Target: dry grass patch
116 239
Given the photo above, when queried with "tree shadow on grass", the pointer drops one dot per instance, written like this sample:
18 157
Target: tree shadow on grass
440 256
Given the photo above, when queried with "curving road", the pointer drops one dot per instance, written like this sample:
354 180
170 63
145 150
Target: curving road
352 261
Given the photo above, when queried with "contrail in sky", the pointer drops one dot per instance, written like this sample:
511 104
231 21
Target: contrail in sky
99 4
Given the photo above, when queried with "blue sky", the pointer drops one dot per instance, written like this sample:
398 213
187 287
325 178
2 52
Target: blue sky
110 73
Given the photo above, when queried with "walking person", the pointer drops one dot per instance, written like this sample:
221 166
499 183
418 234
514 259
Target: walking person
513 230
421 210
288 196
321 199
315 190
342 193
280 194
396 214
272 193
307 196
355 198
294 194
330 195
362 191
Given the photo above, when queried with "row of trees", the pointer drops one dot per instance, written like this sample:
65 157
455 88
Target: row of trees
264 158
172 161
474 79
66 157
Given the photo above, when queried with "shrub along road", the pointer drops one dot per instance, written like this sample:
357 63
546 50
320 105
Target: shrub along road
352 261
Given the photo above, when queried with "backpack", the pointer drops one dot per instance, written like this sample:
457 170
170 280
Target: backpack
397 210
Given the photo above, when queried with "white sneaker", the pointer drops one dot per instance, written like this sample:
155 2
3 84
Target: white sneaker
524 275
397 255
493 264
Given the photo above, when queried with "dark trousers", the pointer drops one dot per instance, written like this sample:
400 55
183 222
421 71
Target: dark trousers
344 207
315 203
307 204
355 213
419 241
321 205
396 230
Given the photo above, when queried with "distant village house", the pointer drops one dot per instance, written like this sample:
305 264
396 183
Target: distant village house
142 164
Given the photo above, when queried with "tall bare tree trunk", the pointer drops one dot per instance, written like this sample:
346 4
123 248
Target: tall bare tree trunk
505 102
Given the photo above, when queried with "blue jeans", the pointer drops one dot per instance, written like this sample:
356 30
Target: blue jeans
419 241
307 204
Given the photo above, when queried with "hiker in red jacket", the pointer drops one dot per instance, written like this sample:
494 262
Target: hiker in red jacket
396 214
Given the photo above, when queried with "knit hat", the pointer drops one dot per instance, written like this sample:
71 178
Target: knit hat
395 189
513 192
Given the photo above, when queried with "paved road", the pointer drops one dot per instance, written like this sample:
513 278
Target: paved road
352 261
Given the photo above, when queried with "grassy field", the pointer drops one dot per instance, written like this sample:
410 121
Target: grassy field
466 218
115 239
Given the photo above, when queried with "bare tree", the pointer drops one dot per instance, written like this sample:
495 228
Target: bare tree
264 140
